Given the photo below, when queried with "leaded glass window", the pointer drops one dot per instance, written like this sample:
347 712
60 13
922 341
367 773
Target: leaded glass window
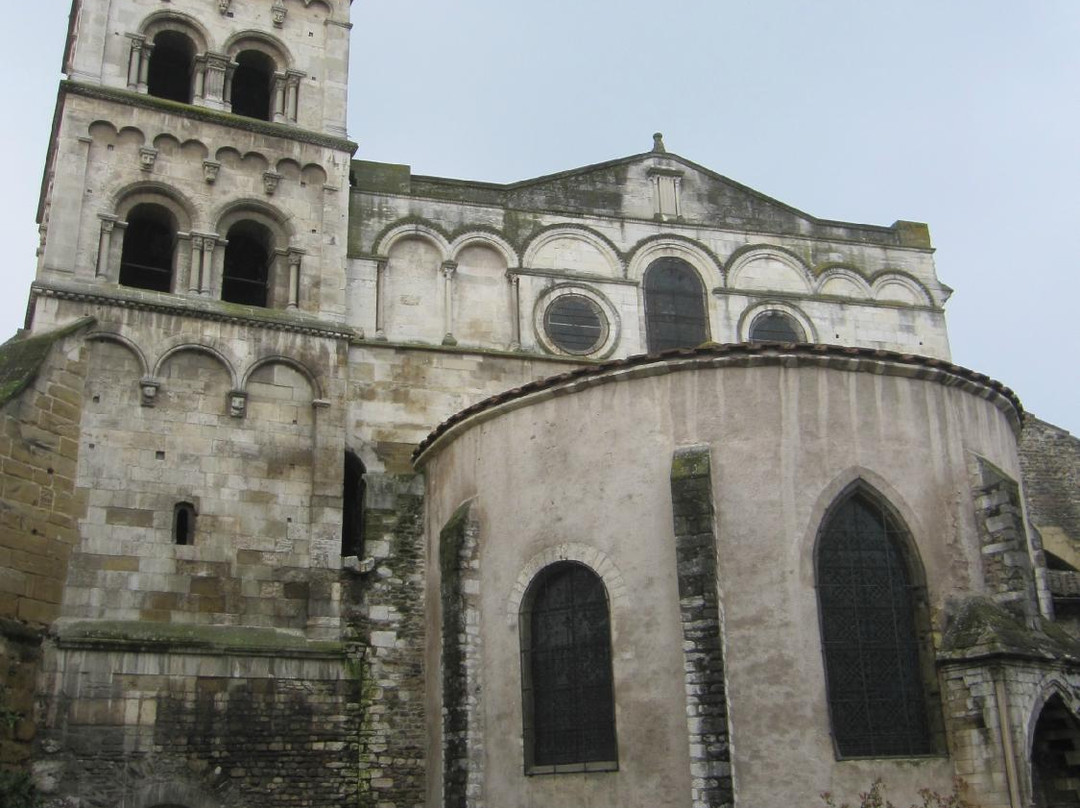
569 705
775 326
674 306
870 634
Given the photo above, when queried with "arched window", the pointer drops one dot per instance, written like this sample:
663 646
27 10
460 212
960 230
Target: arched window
146 261
775 326
875 633
184 523
568 701
674 306
171 65
352 507
1055 751
252 85
248 255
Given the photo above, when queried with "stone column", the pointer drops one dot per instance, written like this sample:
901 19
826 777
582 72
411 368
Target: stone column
144 65
195 269
380 299
206 270
448 270
198 90
292 94
108 222
295 259
135 60
676 182
279 98
515 310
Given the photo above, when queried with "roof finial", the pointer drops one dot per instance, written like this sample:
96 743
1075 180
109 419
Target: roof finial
658 143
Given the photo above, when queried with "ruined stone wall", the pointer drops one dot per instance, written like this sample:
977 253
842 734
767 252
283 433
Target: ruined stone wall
1050 461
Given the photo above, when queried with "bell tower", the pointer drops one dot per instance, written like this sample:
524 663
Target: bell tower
199 157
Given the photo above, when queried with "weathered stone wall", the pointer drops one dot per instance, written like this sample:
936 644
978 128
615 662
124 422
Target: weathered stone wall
41 395
248 718
1050 461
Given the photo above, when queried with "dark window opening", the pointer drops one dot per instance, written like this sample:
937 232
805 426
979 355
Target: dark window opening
569 704
1055 757
171 65
674 306
146 261
575 324
874 634
352 507
252 85
184 523
775 326
1058 564
247 264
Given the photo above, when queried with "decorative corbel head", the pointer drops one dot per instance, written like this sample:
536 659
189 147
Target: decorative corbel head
237 403
270 182
148 388
278 12
147 157
210 171
223 6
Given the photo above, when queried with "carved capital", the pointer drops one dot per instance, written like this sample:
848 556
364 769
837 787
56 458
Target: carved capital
108 222
270 182
449 268
210 171
513 278
295 258
147 158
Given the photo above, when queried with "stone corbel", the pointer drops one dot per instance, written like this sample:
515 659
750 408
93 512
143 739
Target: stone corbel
147 158
224 6
237 403
148 390
271 179
277 13
210 171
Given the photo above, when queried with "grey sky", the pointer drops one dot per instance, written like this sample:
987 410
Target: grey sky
961 114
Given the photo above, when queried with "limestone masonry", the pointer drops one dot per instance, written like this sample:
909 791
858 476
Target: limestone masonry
328 484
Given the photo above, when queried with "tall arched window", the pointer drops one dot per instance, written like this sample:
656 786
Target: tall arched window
568 699
171 65
674 306
252 85
246 274
775 326
146 261
875 633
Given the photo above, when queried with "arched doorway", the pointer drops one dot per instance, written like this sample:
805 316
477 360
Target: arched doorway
1055 757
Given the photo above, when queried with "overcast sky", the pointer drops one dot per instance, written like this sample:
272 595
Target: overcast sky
963 114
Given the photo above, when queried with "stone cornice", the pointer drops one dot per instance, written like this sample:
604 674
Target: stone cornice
209 310
206 115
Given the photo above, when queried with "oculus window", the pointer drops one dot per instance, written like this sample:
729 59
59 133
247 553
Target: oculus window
875 633
674 306
568 710
575 324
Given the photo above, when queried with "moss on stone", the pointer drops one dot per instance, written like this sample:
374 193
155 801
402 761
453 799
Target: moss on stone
978 627
222 638
692 462
22 357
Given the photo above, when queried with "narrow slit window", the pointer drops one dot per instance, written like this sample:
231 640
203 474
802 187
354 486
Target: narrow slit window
352 507
184 523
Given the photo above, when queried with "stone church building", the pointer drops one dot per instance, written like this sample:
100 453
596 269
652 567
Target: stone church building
328 484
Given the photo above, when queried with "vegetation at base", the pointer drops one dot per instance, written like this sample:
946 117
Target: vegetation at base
17 791
875 798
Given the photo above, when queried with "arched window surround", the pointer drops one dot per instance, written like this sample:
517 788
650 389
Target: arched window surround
568 700
285 267
915 673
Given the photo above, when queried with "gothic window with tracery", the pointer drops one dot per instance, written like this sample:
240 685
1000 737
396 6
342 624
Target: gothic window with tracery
569 704
873 631
674 306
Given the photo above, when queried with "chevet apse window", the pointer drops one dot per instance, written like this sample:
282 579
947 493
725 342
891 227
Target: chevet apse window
775 326
874 633
568 699
674 306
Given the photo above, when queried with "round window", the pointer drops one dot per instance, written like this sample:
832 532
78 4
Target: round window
575 324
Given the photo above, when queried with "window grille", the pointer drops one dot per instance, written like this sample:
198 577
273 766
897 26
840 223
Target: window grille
569 706
869 632
575 324
674 306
